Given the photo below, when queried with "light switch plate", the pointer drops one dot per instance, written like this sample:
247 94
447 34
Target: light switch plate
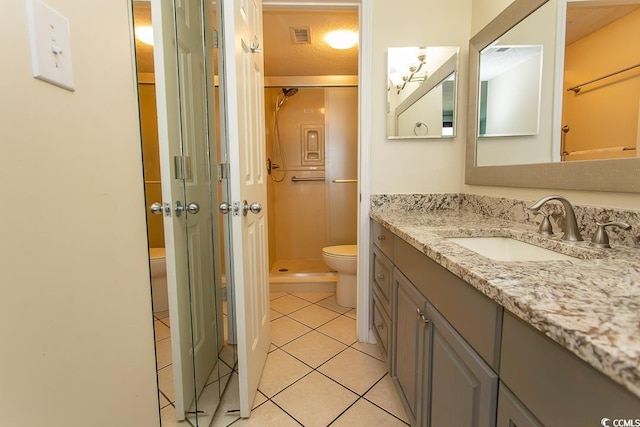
50 45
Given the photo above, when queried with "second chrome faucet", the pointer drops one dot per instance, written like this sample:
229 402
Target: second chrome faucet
571 231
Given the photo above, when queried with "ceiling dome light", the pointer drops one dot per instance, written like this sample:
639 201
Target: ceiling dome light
145 35
343 39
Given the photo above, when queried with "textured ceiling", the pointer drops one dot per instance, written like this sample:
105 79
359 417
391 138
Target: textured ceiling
584 18
284 58
281 56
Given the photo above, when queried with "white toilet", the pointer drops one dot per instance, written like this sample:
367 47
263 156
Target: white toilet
343 260
159 280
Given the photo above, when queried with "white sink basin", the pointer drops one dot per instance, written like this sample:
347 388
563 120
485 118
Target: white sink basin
506 249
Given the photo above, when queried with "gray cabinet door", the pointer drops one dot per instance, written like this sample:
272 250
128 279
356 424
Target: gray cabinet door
410 338
464 390
512 413
381 328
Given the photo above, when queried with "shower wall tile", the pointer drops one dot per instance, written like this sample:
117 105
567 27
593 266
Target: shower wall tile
299 214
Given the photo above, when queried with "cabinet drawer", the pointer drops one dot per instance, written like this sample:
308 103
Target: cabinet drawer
381 328
381 275
555 385
477 318
382 238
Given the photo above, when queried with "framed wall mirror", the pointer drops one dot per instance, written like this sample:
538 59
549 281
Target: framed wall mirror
422 87
543 159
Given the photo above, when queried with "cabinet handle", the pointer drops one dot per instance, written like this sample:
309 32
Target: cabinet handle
381 237
380 276
420 315
379 327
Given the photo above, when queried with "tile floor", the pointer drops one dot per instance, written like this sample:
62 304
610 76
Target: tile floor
317 373
164 362
216 383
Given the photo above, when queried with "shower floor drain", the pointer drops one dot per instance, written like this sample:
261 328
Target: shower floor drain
283 270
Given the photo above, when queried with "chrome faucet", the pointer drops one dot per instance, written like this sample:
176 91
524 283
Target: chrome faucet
571 232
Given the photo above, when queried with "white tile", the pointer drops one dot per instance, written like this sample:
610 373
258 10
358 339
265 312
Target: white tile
280 371
371 349
288 304
315 400
314 348
275 315
228 411
284 330
331 304
168 417
163 353
341 328
314 316
228 355
364 414
354 370
314 296
276 295
165 382
267 415
385 395
161 314
208 402
163 400
161 330
259 400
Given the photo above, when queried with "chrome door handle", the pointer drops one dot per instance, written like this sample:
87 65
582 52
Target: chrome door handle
225 208
156 208
254 207
192 208
179 208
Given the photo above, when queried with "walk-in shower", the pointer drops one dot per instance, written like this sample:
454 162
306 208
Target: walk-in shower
313 197
276 143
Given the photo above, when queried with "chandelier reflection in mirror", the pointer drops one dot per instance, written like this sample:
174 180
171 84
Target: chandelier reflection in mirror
421 90
407 65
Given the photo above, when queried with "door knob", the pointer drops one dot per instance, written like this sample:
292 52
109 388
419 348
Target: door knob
192 208
254 207
225 208
156 208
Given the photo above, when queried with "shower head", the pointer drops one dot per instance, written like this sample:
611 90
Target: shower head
287 92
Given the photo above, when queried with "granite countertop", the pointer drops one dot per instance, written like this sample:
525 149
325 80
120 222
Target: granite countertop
589 305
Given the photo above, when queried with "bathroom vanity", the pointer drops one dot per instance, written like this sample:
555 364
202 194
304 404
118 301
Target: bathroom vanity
474 341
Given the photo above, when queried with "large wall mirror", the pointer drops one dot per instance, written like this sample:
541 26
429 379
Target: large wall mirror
421 87
584 132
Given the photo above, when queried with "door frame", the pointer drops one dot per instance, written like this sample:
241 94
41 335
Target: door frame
365 75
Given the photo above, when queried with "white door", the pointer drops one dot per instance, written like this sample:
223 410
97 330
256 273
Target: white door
244 83
183 132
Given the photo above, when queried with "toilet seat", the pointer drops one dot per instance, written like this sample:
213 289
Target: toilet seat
342 251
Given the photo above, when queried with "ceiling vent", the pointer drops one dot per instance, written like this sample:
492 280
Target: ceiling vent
300 35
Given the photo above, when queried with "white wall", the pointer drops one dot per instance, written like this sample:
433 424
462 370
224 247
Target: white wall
75 308
513 100
416 166
428 110
483 12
